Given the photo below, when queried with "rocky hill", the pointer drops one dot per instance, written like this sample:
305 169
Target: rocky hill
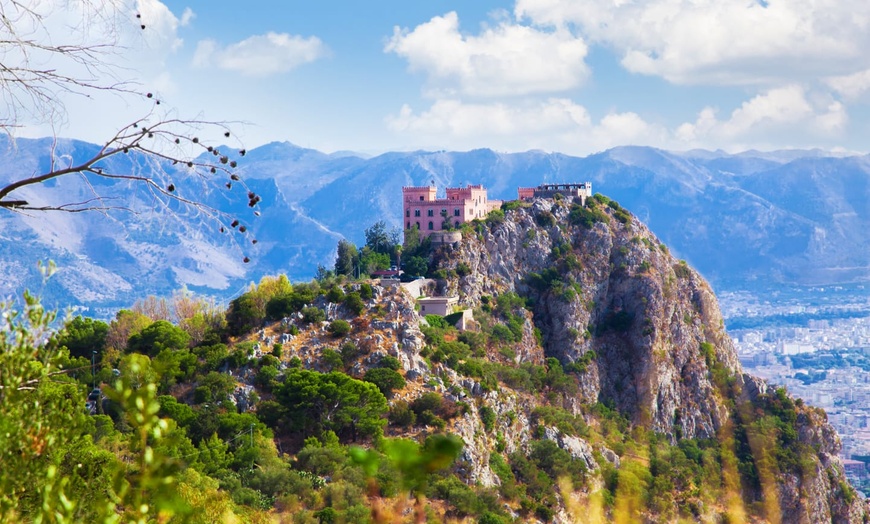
597 379
592 381
642 334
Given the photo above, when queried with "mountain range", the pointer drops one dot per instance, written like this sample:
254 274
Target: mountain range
743 220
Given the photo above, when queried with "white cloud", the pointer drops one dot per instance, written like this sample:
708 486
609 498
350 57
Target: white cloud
556 124
782 117
187 16
507 59
851 86
719 41
779 114
261 55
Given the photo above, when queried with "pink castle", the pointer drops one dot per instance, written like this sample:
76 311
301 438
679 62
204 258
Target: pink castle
430 214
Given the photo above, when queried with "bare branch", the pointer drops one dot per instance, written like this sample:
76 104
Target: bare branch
158 153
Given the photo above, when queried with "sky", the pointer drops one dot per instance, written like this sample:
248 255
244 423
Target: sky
573 76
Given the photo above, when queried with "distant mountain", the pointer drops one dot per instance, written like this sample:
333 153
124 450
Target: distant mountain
788 216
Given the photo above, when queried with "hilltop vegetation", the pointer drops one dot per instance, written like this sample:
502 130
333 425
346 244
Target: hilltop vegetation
596 383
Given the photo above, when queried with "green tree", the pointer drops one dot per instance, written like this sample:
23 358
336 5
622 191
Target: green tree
346 258
81 336
317 402
244 315
385 379
158 336
52 471
371 261
416 266
379 240
339 328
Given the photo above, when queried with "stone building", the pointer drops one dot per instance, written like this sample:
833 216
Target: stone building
429 214
582 190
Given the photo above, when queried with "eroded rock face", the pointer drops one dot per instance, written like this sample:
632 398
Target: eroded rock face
649 331
643 313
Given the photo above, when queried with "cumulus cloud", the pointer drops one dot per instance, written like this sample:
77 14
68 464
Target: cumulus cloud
718 41
782 117
261 55
553 124
850 86
507 59
780 110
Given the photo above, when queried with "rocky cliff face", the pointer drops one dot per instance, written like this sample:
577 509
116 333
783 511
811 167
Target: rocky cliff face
644 334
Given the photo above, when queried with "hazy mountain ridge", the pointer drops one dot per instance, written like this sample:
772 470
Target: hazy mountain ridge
789 216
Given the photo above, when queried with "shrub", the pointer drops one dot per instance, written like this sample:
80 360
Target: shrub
437 321
545 219
313 314
385 379
401 414
354 302
366 292
332 359
581 216
349 352
390 362
682 270
488 417
513 204
338 328
495 217
335 295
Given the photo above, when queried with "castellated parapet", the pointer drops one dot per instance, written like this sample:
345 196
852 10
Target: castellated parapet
423 210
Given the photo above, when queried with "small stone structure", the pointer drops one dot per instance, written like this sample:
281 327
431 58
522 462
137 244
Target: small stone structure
442 306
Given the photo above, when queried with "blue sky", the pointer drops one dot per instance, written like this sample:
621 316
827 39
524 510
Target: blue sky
576 76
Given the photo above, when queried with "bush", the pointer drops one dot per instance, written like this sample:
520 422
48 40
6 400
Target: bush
401 414
366 292
390 362
335 295
354 302
338 328
332 359
436 321
385 379
581 216
545 219
313 314
488 417
496 216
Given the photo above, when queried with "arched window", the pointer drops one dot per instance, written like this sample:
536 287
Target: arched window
408 225
456 224
431 226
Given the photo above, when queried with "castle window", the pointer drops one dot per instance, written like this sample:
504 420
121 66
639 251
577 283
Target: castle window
408 225
407 213
421 198
418 225
416 212
431 213
456 224
431 226
456 212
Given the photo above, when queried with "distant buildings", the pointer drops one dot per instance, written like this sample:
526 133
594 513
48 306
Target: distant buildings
582 190
429 214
